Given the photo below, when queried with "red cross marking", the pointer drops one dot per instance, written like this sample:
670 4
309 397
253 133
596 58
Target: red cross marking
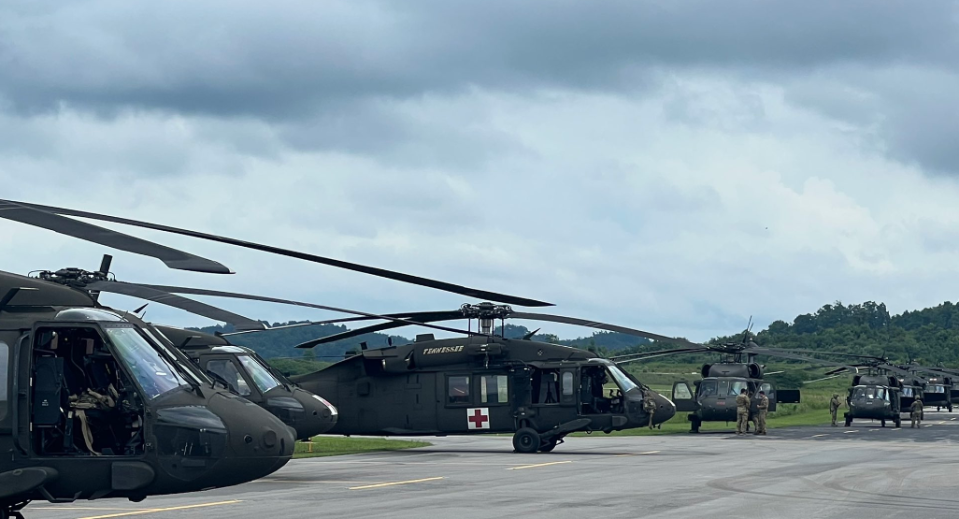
478 418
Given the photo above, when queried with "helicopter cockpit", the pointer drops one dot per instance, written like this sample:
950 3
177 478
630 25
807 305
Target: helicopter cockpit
92 373
260 376
596 395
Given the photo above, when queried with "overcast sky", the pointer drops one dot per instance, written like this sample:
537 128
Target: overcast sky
674 165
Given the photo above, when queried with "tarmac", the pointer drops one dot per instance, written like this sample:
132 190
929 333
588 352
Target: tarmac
862 471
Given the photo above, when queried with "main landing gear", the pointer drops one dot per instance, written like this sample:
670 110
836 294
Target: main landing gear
528 441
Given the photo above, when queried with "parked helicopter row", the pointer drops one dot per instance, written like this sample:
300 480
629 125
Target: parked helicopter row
96 402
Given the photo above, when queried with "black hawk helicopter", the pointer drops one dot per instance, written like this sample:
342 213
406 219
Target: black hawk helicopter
250 376
485 383
93 406
65 358
713 399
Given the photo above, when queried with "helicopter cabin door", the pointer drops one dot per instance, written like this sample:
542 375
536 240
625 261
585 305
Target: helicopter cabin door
683 397
474 403
771 394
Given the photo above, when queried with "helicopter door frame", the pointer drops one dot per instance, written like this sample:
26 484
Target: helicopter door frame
685 404
770 389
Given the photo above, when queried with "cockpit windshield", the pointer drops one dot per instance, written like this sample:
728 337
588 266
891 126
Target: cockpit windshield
154 373
261 376
871 393
624 383
935 388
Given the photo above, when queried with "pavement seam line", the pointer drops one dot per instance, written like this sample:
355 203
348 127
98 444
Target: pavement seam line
394 483
158 510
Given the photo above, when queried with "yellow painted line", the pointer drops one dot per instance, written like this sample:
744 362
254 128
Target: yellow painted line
818 435
539 465
394 483
158 510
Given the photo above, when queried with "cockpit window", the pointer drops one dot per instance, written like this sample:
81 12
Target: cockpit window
871 393
624 383
263 379
935 388
4 378
708 387
228 371
736 386
154 374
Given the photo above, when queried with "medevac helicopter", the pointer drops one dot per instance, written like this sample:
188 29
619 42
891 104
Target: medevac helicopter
485 383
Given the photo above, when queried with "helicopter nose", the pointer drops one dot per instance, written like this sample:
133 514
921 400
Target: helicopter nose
318 417
665 408
259 443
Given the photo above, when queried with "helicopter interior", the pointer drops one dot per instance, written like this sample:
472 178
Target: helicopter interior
869 393
83 403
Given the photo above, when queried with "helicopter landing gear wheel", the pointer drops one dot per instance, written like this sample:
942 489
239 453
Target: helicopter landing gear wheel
949 407
898 421
526 440
882 423
848 421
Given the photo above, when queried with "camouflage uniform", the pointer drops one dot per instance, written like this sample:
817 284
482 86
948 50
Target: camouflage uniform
915 412
742 413
761 409
834 406
650 407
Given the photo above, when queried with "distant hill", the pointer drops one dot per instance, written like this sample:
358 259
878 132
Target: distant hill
928 336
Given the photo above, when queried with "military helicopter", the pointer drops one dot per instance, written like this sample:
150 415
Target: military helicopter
93 403
714 397
248 375
485 383
93 406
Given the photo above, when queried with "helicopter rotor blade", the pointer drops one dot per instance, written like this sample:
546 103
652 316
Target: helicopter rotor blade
626 359
173 258
418 319
175 301
122 241
170 291
601 326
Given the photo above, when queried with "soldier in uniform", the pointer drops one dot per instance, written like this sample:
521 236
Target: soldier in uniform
742 412
761 409
650 407
834 406
915 412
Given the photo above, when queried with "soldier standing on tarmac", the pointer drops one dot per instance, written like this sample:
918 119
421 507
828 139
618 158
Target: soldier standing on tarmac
742 412
834 406
761 409
650 407
915 412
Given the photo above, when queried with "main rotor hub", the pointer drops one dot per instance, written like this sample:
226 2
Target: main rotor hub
72 277
486 313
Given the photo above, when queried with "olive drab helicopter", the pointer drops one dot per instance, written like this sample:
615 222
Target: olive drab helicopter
248 375
485 383
93 406
713 398
95 403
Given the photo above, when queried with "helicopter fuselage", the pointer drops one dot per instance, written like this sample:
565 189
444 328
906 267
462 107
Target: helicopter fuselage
483 385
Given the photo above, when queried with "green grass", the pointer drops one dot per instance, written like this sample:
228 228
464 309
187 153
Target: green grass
336 445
